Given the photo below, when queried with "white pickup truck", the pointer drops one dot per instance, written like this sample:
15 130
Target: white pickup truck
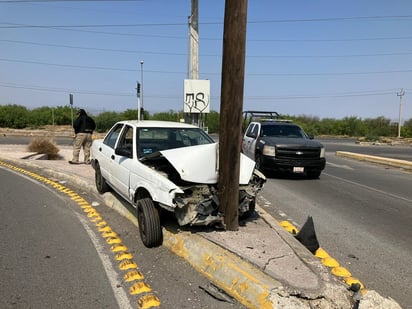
158 165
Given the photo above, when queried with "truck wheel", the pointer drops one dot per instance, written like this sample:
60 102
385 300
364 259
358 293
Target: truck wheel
314 174
101 184
150 228
258 161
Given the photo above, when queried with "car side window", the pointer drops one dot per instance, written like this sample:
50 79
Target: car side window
111 137
126 140
249 132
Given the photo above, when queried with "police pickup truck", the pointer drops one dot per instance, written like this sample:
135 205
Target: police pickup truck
281 146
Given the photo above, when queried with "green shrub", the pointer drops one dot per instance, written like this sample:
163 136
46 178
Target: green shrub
45 145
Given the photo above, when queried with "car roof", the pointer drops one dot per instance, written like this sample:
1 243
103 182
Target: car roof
158 124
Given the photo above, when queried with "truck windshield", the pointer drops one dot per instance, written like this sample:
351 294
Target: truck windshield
283 131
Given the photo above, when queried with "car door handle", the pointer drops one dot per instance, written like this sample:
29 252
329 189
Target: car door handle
100 149
112 157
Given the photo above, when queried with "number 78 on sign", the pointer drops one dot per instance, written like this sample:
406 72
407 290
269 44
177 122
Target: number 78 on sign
196 96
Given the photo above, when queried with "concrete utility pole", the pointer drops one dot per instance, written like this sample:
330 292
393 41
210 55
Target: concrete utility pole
233 73
193 69
193 61
400 95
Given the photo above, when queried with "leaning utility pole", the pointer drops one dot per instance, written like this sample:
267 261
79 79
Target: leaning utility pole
400 95
233 73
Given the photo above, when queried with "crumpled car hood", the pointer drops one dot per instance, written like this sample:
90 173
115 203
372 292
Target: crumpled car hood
199 164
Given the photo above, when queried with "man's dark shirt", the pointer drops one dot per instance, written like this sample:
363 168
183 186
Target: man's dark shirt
84 124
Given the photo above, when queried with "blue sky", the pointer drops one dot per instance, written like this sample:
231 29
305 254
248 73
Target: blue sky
330 59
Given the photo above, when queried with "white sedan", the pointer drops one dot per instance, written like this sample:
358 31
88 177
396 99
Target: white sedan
157 165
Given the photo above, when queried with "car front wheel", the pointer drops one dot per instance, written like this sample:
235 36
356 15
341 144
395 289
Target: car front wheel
150 228
101 184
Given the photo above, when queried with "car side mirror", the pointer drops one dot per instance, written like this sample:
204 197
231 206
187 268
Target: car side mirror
310 136
124 152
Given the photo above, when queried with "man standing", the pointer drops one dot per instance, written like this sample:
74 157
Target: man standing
83 129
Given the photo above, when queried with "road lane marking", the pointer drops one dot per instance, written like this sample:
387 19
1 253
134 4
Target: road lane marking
372 189
345 167
146 301
119 293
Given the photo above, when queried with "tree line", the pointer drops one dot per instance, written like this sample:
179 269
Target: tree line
19 117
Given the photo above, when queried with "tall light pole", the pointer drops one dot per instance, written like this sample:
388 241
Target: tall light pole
141 90
400 95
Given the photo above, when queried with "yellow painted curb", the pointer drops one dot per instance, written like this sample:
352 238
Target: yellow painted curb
321 253
350 280
330 262
341 272
375 159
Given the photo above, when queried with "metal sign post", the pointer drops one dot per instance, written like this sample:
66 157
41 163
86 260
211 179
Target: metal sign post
138 100
71 105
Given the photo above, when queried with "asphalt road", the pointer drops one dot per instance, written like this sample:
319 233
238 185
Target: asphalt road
49 256
402 152
47 259
362 214
25 140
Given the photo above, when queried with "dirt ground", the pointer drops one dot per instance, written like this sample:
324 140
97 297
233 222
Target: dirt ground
46 131
51 131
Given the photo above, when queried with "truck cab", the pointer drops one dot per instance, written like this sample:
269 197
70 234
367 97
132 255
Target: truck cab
279 145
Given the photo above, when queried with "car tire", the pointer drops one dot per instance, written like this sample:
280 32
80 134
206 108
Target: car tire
150 228
101 184
251 212
258 161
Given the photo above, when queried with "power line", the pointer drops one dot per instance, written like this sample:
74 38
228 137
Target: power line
384 17
94 25
350 18
329 40
34 1
255 98
96 48
206 55
23 26
205 73
83 66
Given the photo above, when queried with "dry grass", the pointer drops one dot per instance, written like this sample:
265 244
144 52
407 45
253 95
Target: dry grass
45 145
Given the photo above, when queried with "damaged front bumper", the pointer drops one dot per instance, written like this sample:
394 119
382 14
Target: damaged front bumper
199 204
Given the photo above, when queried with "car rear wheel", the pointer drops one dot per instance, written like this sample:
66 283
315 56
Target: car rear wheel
101 184
150 228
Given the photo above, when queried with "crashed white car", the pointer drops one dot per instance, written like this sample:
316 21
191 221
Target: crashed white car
157 165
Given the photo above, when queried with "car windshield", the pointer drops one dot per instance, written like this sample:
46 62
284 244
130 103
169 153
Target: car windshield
151 140
283 131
